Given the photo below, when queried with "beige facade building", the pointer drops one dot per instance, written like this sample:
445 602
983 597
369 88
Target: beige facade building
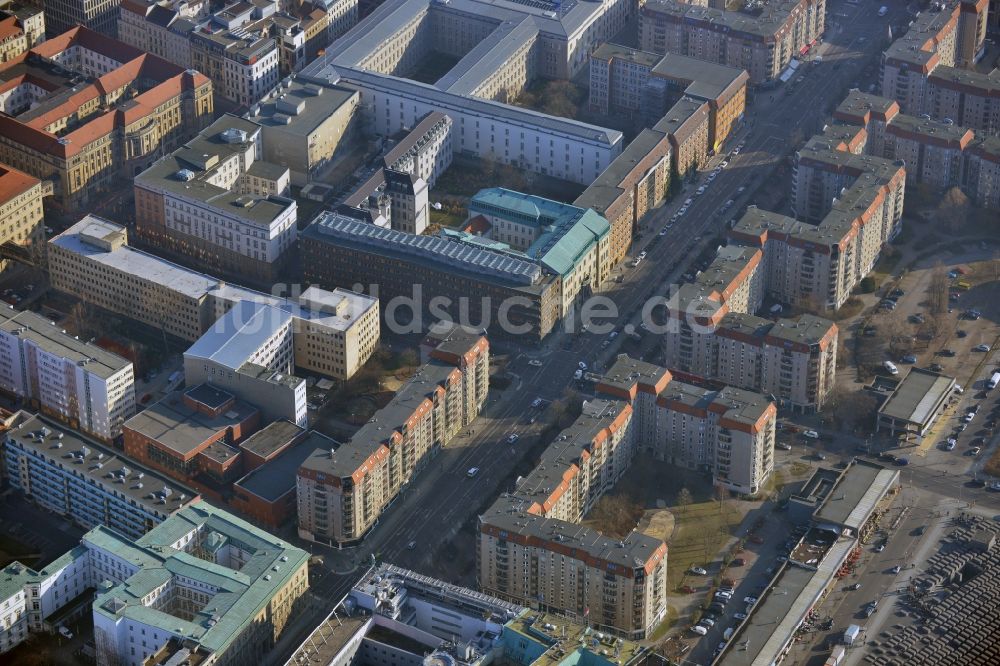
762 44
305 123
84 137
688 124
531 549
215 204
342 491
21 214
630 81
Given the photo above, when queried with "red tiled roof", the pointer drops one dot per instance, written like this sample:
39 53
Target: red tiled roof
9 28
14 182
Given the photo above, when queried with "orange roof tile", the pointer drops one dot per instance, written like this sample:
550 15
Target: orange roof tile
14 182
9 28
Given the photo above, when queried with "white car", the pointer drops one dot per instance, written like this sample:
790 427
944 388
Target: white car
697 571
472 472
535 363
701 190
981 348
811 434
995 485
724 164
698 629
642 255
950 444
536 403
512 438
663 231
582 365
739 616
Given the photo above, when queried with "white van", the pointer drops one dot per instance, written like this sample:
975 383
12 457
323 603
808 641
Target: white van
890 367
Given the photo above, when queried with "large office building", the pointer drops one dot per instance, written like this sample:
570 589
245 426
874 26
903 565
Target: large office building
98 15
929 70
469 278
21 27
570 242
83 110
305 123
761 40
425 151
85 482
342 490
500 48
76 382
413 617
937 154
21 228
334 332
618 585
623 80
202 585
216 204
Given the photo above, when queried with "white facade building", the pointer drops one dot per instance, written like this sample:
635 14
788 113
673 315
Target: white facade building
79 383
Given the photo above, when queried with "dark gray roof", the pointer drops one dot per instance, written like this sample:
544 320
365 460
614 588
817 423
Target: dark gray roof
278 477
271 438
918 396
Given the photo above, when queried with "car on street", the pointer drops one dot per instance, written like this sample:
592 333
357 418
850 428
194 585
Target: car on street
535 363
700 190
750 600
663 231
896 569
946 352
473 471
981 348
698 629
856 586
909 358
961 333
897 293
512 438
974 451
582 365
412 545
811 434
902 462
707 622
784 446
879 548
995 486
739 616
935 367
536 403
697 571
949 445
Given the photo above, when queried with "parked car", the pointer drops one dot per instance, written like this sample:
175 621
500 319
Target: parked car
512 438
909 358
856 586
698 629
738 562
535 363
473 471
697 571
811 434
879 548
981 348
896 569
536 403
739 616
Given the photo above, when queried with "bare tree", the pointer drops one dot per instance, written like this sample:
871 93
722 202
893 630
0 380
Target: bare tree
852 409
616 515
954 209
937 290
684 499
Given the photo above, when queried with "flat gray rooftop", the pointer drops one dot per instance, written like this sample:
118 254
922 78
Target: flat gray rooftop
860 487
35 328
277 477
918 396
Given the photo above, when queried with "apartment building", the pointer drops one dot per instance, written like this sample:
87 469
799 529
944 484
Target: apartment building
343 490
762 43
80 479
688 126
470 281
13 40
83 137
192 435
937 154
531 548
623 80
29 19
634 183
244 48
78 383
215 204
929 69
204 584
425 151
571 242
304 124
334 332
22 227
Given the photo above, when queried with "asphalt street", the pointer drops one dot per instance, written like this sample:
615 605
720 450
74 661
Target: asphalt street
442 497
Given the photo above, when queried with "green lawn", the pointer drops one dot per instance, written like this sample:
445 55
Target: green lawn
701 532
446 219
